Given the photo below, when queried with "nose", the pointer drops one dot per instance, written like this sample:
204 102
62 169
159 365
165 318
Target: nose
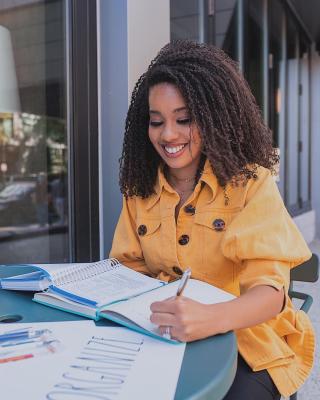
169 133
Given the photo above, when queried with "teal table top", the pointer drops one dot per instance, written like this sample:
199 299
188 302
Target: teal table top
208 367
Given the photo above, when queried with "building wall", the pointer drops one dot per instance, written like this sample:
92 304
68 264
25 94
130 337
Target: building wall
309 222
130 32
315 145
148 31
113 102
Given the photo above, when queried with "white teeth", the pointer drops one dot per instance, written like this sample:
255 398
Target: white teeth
173 150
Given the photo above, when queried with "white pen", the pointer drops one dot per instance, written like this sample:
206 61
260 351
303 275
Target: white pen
183 281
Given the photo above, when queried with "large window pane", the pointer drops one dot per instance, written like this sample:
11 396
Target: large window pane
209 21
276 19
33 132
223 26
304 138
254 49
292 115
277 82
184 19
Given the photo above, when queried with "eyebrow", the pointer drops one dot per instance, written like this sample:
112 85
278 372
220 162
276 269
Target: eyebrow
175 110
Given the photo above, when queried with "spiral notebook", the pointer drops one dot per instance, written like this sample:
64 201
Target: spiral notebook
107 289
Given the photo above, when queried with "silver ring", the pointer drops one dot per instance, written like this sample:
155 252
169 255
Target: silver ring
167 333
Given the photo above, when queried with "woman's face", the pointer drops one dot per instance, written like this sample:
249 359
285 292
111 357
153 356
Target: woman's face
171 131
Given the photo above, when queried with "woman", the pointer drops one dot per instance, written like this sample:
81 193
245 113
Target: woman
196 174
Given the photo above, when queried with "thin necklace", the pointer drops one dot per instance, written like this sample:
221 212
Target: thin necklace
186 180
182 192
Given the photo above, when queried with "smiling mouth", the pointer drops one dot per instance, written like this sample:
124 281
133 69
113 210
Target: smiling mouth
171 150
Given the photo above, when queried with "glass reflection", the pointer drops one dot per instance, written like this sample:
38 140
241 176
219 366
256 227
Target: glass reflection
33 134
213 22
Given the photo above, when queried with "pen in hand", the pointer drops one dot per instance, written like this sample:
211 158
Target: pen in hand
183 282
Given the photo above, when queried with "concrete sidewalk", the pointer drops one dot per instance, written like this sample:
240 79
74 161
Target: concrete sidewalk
311 389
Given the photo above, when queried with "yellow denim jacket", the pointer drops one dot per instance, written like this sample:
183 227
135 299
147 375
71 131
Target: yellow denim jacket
251 241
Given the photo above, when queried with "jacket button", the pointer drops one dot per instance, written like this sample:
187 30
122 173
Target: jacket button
142 230
218 224
184 239
177 270
189 209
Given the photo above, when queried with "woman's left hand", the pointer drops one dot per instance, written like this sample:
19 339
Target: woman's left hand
188 319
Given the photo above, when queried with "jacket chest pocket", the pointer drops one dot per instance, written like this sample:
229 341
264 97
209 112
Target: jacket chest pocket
149 234
211 227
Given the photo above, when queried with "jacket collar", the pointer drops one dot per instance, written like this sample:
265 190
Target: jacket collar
207 178
161 183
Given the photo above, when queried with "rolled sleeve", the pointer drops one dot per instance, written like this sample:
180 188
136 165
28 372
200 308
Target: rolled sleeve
273 273
263 240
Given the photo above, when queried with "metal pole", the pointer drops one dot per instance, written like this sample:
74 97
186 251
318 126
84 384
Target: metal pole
265 63
240 34
283 140
203 18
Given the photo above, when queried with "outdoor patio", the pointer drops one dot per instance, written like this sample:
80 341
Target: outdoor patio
311 389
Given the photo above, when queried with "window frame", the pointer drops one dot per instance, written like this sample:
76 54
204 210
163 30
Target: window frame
83 131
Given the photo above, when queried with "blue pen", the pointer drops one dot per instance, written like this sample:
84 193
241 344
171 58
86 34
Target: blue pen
22 334
25 329
19 341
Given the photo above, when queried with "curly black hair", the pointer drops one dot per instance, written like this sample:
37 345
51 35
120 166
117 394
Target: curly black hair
234 136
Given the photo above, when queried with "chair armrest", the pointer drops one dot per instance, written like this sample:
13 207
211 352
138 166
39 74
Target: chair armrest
308 300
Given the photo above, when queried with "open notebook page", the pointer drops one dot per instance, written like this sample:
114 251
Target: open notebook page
138 309
113 285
